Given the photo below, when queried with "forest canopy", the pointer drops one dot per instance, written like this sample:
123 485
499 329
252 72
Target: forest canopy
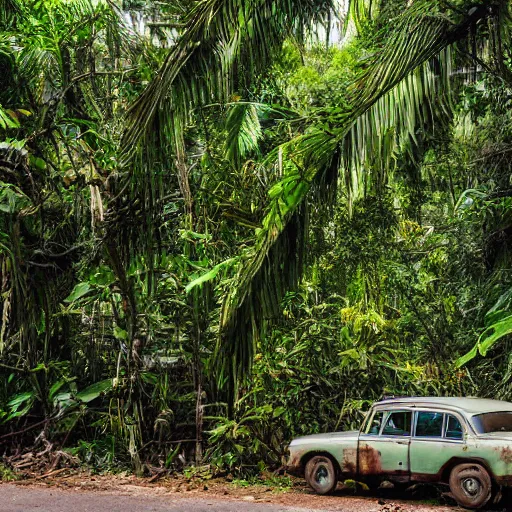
226 223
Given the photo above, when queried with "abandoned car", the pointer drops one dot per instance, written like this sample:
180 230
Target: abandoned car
463 442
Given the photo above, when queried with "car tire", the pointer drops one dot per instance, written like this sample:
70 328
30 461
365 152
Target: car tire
470 485
321 474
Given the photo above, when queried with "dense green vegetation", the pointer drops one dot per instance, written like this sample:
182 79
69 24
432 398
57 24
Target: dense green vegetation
228 228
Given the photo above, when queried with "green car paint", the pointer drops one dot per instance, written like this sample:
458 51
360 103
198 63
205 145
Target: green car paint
414 439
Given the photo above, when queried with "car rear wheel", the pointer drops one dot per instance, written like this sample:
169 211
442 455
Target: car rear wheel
321 475
470 485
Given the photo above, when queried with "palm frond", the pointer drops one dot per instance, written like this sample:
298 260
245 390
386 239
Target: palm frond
395 79
219 35
10 12
39 67
220 38
359 12
243 131
275 263
391 125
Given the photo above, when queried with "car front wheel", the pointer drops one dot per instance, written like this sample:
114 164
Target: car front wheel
321 474
470 485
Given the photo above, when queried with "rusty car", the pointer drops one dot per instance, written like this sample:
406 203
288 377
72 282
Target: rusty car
465 443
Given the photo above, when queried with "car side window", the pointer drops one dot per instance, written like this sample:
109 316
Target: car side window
398 423
429 424
453 428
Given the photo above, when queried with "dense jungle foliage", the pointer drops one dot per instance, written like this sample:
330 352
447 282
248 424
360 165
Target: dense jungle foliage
227 223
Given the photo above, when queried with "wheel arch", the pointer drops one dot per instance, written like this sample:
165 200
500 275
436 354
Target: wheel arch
309 455
455 461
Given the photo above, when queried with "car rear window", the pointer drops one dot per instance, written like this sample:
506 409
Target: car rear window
492 422
453 428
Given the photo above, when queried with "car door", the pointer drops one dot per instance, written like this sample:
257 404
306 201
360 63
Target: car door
383 449
438 437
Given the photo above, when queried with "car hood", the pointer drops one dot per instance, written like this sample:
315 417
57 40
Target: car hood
328 437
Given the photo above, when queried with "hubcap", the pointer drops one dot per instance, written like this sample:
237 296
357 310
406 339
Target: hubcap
471 486
322 476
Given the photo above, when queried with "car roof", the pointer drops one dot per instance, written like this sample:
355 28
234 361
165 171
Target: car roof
470 406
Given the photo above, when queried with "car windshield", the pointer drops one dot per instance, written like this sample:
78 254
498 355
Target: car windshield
493 422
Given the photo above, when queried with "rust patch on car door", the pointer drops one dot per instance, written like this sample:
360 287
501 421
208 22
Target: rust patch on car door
369 461
506 454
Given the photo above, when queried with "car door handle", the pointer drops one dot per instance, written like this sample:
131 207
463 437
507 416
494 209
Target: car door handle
401 442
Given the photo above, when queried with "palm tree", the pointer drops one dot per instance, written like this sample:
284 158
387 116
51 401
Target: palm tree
396 92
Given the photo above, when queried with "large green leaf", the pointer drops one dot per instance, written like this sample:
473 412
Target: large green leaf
487 339
78 292
15 402
210 275
8 119
20 405
95 390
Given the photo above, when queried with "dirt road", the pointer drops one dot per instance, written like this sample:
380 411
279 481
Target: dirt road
84 492
134 498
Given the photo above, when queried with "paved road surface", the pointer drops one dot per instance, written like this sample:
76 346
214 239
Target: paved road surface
121 495
19 498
